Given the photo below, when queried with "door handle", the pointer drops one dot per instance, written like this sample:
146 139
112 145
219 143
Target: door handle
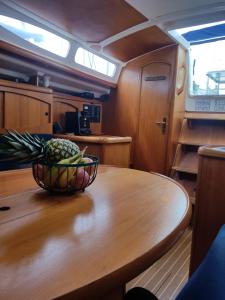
162 124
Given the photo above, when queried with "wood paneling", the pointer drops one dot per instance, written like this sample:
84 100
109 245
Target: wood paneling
138 43
92 21
86 245
210 205
27 114
64 103
178 104
25 108
121 112
151 143
203 132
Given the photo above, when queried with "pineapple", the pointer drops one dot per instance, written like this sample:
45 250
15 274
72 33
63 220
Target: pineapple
27 148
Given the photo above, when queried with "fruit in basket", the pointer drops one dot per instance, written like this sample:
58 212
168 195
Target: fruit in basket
90 169
39 171
27 148
80 179
67 172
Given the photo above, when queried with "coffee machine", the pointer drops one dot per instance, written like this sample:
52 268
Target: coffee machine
78 123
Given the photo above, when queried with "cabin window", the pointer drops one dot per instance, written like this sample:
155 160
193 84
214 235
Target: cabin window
207 59
37 36
208 68
94 62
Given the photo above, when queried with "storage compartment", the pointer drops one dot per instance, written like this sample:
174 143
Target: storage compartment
186 159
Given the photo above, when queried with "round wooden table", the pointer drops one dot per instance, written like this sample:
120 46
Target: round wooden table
86 245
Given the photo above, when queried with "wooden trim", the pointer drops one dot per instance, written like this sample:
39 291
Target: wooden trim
74 98
218 152
204 116
50 63
23 86
96 139
32 94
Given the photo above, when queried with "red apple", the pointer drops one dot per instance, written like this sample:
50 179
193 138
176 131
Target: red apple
89 169
80 179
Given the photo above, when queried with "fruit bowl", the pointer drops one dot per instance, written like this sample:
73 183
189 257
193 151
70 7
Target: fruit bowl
65 178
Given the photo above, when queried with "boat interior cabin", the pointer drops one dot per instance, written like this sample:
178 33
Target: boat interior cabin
112 149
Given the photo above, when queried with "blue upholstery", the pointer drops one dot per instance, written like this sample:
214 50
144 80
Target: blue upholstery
10 165
208 281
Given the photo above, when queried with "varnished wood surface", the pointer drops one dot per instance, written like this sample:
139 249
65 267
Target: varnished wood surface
138 43
98 139
86 245
151 143
218 152
92 21
204 116
178 105
186 160
210 205
121 112
24 107
203 132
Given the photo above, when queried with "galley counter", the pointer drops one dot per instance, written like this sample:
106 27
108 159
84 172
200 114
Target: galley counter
111 150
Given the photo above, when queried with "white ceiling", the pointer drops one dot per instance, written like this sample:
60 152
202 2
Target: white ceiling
172 10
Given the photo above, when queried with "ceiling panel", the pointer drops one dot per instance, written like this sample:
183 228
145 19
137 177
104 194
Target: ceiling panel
155 8
138 43
90 20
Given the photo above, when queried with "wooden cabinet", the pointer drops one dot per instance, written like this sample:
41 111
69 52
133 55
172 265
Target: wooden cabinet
25 107
198 129
111 150
209 213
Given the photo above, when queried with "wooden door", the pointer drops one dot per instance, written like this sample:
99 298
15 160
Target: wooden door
26 113
151 146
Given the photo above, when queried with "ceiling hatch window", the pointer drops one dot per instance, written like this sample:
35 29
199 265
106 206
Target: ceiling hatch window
207 53
37 36
94 62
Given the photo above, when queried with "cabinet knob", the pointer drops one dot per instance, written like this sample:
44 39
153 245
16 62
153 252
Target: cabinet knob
46 113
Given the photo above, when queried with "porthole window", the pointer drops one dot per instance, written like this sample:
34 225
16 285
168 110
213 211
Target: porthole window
94 62
37 36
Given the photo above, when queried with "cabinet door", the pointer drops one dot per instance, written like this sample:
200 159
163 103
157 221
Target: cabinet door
153 118
25 113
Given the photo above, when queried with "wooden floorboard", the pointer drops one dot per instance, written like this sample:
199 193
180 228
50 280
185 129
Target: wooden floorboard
166 277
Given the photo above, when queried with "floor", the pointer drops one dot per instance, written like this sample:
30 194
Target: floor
166 277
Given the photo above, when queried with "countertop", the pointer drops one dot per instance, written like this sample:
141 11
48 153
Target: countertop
98 139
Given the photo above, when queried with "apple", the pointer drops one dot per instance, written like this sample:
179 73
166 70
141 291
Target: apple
89 169
80 179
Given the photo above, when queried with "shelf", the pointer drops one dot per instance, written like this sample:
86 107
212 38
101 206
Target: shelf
186 160
201 133
205 116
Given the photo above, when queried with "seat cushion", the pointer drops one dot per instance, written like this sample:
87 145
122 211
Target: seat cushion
208 281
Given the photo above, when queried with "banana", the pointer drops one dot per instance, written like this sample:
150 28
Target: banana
68 172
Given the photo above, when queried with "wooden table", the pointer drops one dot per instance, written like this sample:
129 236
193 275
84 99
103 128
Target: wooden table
86 245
